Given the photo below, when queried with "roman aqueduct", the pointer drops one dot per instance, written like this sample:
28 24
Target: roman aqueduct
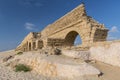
62 33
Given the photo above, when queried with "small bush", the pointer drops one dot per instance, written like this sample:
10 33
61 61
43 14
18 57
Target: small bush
19 53
22 67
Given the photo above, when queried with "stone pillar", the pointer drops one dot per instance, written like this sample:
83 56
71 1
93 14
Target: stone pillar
37 46
28 46
32 46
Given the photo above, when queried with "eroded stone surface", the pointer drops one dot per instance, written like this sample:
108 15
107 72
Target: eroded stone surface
55 66
84 55
107 52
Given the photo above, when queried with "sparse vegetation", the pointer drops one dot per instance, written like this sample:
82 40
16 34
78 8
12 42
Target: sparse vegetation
22 67
19 53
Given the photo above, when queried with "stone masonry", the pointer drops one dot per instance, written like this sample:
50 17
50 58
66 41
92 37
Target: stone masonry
63 32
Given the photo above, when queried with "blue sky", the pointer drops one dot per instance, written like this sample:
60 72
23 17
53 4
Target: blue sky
19 17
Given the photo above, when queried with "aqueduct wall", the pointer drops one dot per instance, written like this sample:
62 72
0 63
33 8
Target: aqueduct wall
64 31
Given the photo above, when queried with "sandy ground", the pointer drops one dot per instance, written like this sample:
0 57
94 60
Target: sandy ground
6 73
109 72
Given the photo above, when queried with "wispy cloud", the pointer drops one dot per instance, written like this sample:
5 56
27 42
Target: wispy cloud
114 29
111 37
36 3
30 26
113 33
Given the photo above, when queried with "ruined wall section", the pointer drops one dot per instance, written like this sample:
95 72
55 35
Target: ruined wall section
98 31
64 21
55 42
27 38
32 36
76 22
80 28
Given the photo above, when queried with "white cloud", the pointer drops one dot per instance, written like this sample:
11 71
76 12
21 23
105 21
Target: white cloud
30 26
113 33
111 37
114 29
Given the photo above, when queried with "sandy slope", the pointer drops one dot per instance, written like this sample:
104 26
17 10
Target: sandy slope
6 73
109 72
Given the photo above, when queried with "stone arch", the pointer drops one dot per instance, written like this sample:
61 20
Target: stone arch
65 30
40 44
70 38
30 46
34 45
24 49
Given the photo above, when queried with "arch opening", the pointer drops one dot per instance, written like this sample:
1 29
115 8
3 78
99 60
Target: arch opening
29 46
40 44
34 45
72 39
77 41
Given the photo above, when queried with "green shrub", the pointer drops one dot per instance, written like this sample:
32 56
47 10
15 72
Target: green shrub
22 67
19 53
